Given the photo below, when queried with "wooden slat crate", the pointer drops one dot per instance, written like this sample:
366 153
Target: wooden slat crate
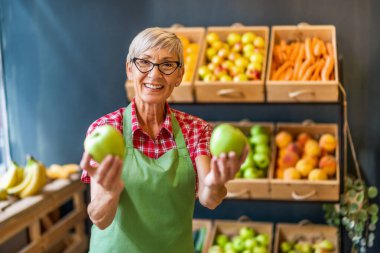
231 228
232 92
200 223
298 90
242 188
31 213
185 92
303 189
307 232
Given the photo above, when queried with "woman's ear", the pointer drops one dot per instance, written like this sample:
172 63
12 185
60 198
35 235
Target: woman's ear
128 68
180 76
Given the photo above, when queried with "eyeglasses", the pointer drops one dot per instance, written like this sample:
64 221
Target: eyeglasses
145 66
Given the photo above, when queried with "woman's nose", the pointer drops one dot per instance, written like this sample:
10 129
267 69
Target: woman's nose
154 72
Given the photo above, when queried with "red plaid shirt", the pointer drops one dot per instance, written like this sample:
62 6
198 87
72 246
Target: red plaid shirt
197 134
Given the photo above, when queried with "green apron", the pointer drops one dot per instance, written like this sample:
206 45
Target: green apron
156 207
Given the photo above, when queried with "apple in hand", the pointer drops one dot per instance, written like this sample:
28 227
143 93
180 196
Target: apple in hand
104 140
226 138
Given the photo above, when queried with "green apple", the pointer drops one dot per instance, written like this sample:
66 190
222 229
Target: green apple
250 243
260 249
105 140
261 160
262 149
248 161
251 173
222 240
262 239
257 129
215 249
226 138
325 244
228 246
286 247
238 243
246 232
259 139
239 174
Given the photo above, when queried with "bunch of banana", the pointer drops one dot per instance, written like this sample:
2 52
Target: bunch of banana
12 177
56 171
33 181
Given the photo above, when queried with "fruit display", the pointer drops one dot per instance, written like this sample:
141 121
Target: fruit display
104 140
311 59
56 171
190 52
305 156
245 240
299 246
26 183
259 157
306 238
237 56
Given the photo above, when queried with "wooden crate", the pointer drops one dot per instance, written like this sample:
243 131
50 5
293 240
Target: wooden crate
326 190
232 92
32 213
185 92
231 228
308 232
302 91
200 223
241 188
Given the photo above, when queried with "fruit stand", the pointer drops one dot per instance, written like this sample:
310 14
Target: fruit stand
35 216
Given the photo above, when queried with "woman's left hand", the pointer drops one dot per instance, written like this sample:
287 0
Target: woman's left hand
224 168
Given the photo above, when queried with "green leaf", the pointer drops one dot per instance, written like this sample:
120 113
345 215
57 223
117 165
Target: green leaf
373 209
360 197
374 219
372 192
362 215
353 208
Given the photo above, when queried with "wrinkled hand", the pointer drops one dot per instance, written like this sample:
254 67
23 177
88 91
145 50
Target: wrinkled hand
107 174
224 168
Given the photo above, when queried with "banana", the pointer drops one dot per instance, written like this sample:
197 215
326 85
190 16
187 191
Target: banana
3 194
30 170
56 171
10 179
38 179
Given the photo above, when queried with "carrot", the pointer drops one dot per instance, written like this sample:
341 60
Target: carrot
308 48
308 72
277 54
330 50
314 42
323 48
297 65
318 69
304 67
288 74
280 70
318 48
327 68
295 51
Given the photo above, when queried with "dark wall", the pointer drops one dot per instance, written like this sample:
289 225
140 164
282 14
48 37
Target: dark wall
64 67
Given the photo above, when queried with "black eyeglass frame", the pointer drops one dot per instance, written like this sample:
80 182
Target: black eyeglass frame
156 64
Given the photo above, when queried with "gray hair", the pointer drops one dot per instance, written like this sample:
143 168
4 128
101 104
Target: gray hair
157 38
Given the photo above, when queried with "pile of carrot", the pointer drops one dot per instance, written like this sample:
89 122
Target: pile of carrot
312 59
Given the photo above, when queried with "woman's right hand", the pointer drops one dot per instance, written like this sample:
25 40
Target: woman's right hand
107 175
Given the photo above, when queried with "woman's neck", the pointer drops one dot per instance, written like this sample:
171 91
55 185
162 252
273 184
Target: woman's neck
150 117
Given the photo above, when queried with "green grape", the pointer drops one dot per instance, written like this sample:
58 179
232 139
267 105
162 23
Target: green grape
353 208
362 215
343 211
374 219
351 193
358 185
372 192
360 197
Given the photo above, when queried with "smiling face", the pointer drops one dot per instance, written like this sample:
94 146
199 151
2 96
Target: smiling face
154 87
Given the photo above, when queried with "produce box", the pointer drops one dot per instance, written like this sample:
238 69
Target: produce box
302 64
249 184
202 230
238 79
289 235
238 233
307 162
185 92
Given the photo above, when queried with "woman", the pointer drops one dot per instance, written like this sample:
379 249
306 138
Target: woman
145 202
